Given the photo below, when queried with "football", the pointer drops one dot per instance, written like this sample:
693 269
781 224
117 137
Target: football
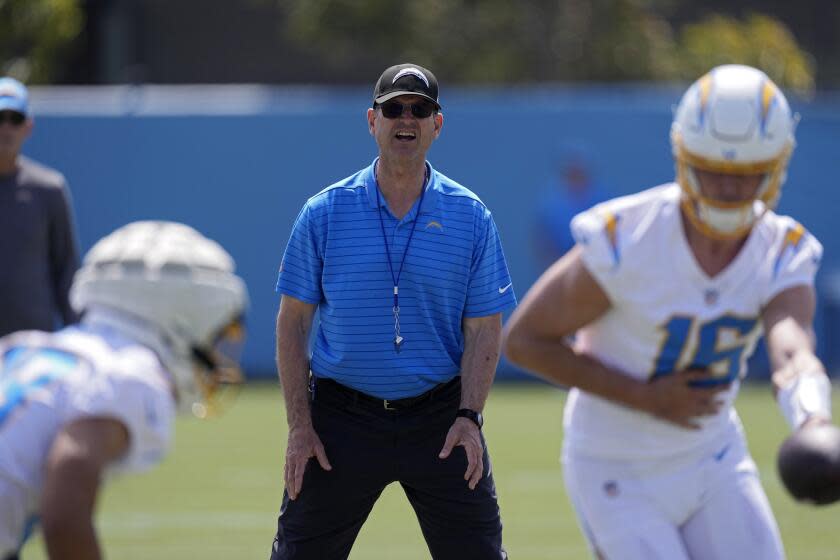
809 464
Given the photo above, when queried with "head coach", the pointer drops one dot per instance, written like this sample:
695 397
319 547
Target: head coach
406 269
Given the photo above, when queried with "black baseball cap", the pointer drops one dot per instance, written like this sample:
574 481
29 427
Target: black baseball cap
406 79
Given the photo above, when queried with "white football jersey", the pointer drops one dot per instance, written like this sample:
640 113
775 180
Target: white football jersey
667 314
49 380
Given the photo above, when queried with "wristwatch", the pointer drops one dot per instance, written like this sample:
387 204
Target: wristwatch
472 415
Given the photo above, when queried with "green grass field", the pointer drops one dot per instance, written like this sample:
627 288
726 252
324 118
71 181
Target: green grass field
217 494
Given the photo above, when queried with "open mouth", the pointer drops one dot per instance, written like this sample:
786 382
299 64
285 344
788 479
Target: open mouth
405 136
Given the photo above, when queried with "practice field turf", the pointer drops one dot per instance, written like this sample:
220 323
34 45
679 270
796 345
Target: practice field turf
217 495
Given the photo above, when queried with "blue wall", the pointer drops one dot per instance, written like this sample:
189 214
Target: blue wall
238 163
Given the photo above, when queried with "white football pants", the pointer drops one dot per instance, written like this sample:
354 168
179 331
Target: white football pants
699 508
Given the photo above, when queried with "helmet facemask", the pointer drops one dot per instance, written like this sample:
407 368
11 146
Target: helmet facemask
721 219
218 376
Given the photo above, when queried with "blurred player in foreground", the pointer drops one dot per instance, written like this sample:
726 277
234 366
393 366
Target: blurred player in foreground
161 303
668 291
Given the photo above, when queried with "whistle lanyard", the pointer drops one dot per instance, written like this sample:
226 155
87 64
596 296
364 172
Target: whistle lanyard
398 339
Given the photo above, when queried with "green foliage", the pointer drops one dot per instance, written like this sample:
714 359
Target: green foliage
497 41
477 41
34 34
760 41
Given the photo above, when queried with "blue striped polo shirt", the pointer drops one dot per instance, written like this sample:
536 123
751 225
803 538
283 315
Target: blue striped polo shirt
454 268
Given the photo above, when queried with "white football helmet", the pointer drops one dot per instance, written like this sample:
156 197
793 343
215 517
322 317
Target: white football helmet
175 291
732 120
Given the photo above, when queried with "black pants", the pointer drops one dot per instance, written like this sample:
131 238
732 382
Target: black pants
370 447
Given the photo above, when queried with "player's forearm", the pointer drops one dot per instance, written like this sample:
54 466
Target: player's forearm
482 345
800 384
789 335
74 539
67 526
790 360
786 369
293 370
66 510
557 362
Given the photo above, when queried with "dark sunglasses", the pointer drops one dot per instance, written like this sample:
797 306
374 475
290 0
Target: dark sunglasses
12 117
395 109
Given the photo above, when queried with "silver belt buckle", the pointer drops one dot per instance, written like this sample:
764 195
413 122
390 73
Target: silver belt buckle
387 405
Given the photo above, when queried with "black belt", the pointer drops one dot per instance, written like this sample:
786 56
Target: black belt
326 385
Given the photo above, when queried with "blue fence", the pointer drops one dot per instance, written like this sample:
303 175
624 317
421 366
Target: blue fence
238 162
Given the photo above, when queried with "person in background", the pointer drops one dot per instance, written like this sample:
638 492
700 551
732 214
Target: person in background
38 247
572 189
161 304
669 291
406 269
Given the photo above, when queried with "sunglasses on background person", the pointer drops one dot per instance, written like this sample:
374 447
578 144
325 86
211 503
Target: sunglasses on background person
395 109
12 117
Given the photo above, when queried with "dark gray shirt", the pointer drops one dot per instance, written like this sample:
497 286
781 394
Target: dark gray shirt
38 249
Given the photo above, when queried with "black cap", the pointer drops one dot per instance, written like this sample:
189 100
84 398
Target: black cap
406 79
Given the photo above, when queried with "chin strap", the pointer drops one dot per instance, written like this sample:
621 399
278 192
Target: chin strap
700 209
688 205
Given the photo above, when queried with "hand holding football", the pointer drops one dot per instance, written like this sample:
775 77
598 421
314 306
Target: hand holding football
809 463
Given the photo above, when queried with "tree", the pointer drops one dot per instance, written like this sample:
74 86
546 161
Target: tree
34 35
497 41
759 41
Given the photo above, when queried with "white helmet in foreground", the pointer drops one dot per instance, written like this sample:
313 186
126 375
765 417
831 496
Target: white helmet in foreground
175 291
732 120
